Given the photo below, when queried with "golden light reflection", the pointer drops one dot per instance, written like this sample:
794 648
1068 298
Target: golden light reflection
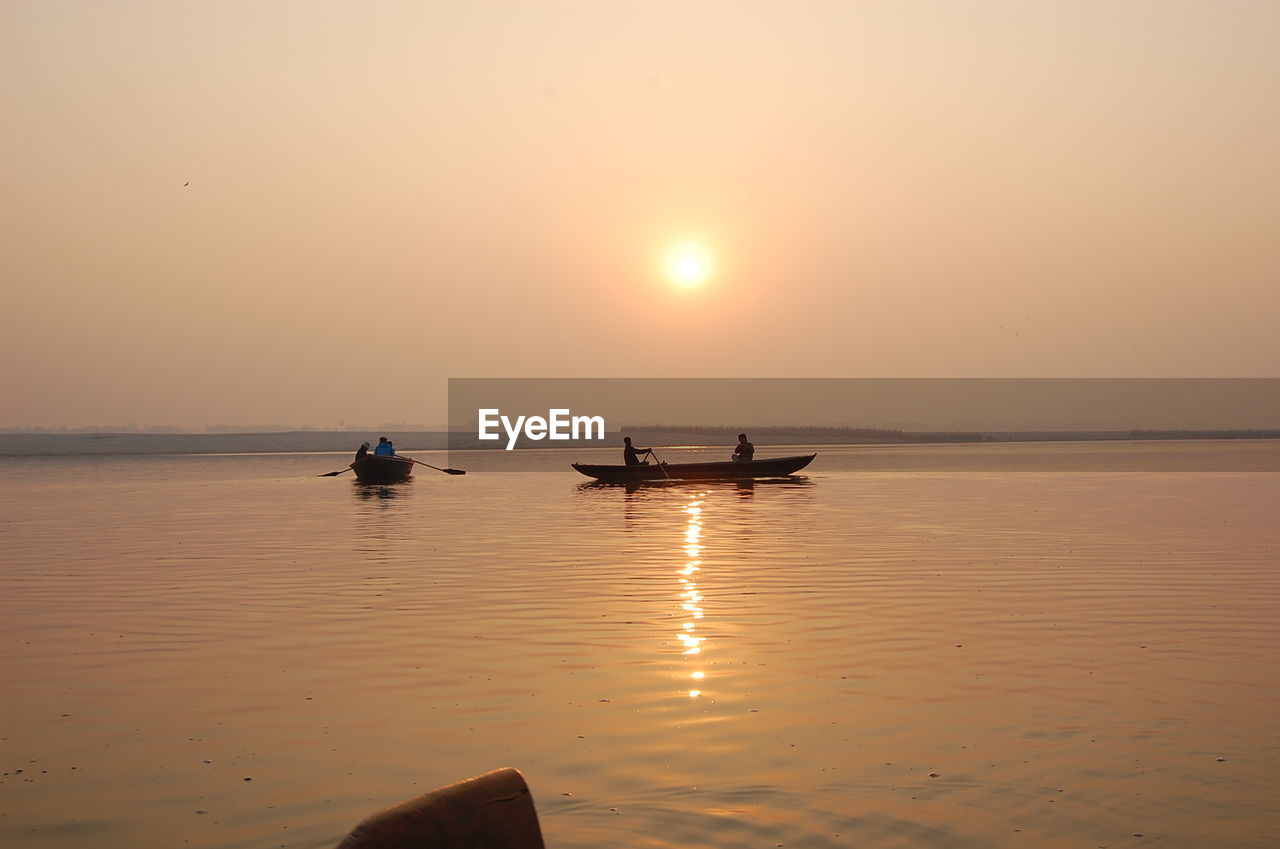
690 598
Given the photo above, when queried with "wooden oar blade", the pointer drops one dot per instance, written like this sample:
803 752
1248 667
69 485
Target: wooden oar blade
438 469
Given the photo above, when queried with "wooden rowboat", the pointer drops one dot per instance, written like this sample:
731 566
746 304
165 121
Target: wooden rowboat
490 811
373 469
774 467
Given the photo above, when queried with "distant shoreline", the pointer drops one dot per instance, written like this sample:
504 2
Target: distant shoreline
29 444
875 436
693 436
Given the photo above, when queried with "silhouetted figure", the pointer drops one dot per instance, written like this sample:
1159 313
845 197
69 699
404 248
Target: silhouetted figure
391 448
383 448
745 450
362 451
631 454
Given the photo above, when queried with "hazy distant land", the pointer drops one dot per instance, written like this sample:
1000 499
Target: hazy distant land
805 435
62 443
133 427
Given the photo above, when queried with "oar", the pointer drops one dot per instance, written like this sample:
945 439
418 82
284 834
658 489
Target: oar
334 474
661 465
438 469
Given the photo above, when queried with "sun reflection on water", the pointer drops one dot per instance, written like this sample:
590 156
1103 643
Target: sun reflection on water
690 598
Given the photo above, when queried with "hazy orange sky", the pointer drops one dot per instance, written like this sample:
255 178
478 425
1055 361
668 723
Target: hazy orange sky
386 195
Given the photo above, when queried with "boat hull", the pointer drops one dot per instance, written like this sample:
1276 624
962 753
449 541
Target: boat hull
373 469
774 467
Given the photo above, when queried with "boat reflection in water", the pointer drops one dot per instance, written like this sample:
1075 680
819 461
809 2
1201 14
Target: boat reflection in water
382 530
377 491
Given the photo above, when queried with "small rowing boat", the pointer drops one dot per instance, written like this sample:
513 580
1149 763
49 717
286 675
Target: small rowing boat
774 467
374 469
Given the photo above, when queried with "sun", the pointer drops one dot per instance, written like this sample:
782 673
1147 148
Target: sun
688 265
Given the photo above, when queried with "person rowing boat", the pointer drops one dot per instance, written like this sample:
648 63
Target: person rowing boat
631 455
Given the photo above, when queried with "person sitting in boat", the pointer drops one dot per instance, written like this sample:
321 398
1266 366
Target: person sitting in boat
745 450
391 448
384 448
631 454
362 451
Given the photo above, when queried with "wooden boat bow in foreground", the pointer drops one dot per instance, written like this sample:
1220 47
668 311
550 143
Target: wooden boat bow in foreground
490 811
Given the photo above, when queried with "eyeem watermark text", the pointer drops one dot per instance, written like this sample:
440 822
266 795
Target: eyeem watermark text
559 424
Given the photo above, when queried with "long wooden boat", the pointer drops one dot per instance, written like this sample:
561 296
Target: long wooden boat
774 467
373 469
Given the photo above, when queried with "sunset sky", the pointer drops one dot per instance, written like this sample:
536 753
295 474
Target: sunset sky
382 196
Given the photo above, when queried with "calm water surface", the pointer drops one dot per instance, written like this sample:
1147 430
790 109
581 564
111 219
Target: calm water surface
851 659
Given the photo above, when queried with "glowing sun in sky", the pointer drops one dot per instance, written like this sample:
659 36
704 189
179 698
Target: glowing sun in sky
688 265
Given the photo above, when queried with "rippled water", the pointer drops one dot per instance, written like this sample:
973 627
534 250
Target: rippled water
853 658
